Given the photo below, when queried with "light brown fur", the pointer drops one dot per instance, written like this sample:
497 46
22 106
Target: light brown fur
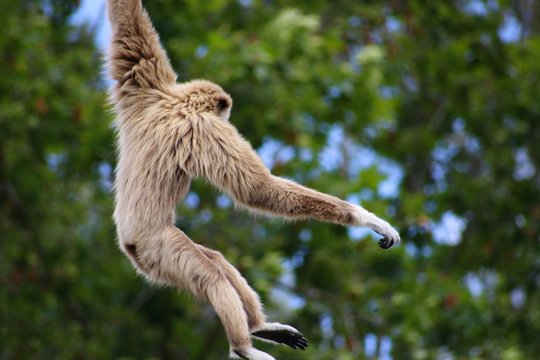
169 133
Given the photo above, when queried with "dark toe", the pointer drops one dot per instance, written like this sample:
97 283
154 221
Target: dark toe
386 243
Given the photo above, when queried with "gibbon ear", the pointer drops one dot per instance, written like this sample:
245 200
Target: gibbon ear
223 103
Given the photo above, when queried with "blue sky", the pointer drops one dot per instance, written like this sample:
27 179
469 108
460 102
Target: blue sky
93 12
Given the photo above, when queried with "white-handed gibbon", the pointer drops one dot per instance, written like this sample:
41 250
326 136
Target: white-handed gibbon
169 133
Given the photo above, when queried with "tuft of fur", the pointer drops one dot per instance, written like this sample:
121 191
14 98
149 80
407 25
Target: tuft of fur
169 133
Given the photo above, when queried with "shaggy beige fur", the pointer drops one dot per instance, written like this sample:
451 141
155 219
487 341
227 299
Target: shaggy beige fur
169 133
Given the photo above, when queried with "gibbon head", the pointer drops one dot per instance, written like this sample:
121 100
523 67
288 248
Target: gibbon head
200 96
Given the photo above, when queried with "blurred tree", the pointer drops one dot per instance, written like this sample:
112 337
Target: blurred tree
425 111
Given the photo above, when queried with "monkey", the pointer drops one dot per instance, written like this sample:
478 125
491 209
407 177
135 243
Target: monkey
168 133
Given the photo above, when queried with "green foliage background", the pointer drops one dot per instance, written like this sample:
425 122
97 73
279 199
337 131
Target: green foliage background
340 96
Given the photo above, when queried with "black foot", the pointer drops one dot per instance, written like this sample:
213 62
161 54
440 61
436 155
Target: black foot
286 336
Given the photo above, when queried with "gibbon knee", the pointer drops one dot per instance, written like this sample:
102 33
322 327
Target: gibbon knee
131 251
141 260
149 253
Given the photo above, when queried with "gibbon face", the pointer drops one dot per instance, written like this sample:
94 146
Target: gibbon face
200 96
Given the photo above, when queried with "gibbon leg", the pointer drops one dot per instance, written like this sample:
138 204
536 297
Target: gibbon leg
228 306
250 299
172 258
275 333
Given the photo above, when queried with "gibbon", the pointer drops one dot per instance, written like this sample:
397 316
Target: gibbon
169 133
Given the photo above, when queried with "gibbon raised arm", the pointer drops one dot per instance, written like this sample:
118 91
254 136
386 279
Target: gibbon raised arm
169 133
136 57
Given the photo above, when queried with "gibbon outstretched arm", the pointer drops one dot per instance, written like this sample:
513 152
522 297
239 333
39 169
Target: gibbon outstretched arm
221 155
136 58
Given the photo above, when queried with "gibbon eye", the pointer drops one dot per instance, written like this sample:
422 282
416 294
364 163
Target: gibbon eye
222 104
